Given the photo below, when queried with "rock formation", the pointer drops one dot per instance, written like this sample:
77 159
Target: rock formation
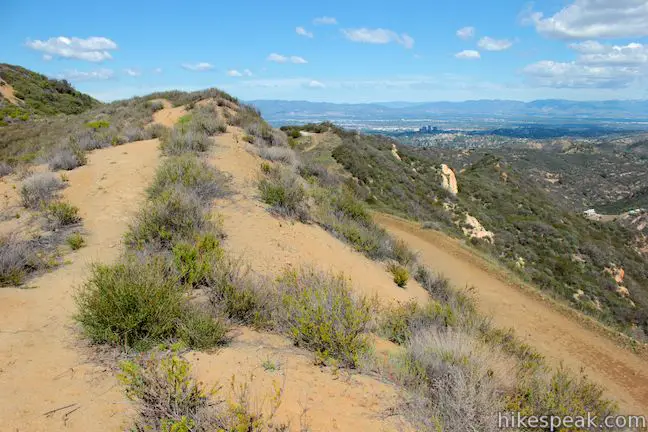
448 179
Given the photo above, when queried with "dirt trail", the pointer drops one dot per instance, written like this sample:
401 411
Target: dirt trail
8 92
41 366
622 373
169 115
270 244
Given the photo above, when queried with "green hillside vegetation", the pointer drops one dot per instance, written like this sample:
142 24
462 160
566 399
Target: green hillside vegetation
39 95
546 244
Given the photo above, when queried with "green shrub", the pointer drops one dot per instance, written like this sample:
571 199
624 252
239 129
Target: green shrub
168 398
199 330
351 207
282 189
234 293
176 215
208 121
194 260
135 303
62 214
320 312
561 394
178 142
75 241
157 130
400 273
398 322
193 174
98 124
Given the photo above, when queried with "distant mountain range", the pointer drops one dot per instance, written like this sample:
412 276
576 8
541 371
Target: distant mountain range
632 110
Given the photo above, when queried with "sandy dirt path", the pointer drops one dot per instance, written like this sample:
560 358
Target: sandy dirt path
271 244
622 373
42 366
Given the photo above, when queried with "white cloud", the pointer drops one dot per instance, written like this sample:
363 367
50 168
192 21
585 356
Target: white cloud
132 72
590 19
466 33
316 85
468 55
157 70
596 53
490 44
198 67
76 75
278 58
596 66
301 31
548 73
237 73
93 49
325 21
378 36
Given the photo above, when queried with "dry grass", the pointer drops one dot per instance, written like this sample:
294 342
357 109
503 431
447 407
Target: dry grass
283 155
38 190
17 259
67 158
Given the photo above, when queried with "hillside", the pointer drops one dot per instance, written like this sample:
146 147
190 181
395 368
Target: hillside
578 178
24 94
239 282
502 210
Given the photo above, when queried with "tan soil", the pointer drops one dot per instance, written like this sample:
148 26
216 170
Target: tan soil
169 115
42 368
7 92
315 397
270 244
562 339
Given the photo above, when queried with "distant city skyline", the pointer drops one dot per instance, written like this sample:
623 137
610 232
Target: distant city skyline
350 52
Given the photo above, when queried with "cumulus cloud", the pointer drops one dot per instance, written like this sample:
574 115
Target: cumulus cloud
378 36
132 72
236 73
468 55
316 84
301 31
597 65
596 53
96 75
198 67
325 20
548 73
466 33
92 49
490 44
278 58
592 19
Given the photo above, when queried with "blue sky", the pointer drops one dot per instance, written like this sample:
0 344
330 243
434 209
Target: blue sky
338 51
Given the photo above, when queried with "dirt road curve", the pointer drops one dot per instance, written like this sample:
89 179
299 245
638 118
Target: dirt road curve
561 339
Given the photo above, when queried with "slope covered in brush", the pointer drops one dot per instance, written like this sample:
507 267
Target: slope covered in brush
594 266
36 94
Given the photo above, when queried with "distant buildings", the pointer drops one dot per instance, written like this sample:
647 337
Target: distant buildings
428 129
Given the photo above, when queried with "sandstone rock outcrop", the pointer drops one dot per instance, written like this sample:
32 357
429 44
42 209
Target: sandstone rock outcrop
449 180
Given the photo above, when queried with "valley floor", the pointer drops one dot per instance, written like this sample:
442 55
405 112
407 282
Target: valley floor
561 339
